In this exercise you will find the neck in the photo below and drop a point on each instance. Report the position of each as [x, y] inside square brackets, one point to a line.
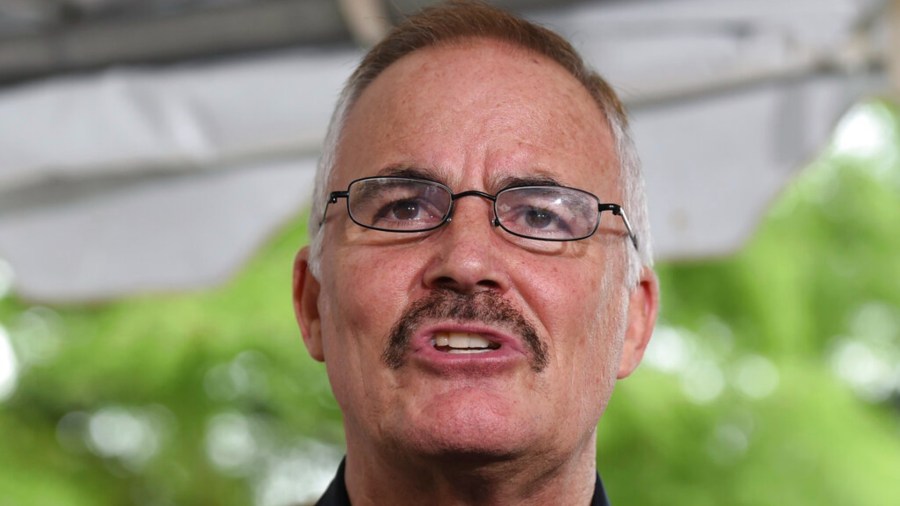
[375, 478]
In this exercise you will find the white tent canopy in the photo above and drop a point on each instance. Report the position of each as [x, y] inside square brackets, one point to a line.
[150, 179]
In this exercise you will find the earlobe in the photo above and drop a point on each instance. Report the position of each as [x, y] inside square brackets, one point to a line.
[306, 305]
[642, 310]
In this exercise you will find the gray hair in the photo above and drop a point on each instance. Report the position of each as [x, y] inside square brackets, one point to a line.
[467, 19]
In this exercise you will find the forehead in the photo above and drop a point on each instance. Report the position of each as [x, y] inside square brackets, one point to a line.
[478, 109]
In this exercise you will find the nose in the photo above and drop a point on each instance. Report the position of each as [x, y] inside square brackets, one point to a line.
[467, 253]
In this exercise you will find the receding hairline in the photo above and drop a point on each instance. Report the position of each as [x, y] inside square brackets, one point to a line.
[562, 54]
[473, 43]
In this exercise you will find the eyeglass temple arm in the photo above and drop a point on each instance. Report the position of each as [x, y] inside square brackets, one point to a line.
[332, 199]
[618, 211]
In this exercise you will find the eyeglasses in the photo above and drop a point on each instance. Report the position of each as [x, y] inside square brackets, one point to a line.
[545, 213]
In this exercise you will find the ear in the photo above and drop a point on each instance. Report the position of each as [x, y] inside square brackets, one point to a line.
[306, 305]
[643, 306]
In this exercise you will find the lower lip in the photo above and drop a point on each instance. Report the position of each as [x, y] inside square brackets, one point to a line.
[481, 363]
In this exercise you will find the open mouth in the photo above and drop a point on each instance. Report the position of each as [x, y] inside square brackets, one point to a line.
[462, 342]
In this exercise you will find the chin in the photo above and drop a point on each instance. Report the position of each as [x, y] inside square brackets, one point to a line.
[466, 449]
[467, 429]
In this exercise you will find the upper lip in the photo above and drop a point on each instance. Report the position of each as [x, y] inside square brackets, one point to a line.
[424, 335]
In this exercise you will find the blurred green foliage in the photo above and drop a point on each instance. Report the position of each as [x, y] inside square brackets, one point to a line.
[774, 377]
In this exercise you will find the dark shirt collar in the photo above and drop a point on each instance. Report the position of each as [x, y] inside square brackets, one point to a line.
[336, 495]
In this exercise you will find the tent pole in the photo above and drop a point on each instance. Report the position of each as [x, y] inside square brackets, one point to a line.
[892, 55]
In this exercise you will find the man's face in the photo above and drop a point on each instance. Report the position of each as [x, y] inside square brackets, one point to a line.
[556, 316]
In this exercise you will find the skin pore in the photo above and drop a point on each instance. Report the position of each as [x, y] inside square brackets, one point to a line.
[481, 428]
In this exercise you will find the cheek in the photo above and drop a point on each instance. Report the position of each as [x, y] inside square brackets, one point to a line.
[570, 298]
[583, 310]
[365, 297]
[368, 287]
[584, 339]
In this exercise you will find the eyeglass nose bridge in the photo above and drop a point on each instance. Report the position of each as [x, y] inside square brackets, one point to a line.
[473, 193]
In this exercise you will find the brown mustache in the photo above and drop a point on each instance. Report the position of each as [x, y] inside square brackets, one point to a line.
[483, 307]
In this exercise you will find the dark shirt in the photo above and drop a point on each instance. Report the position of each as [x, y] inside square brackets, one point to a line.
[336, 495]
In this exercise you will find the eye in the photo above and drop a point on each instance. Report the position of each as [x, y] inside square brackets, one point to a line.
[406, 210]
[536, 219]
[540, 218]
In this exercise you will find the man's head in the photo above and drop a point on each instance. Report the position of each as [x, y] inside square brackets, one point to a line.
[467, 342]
[459, 21]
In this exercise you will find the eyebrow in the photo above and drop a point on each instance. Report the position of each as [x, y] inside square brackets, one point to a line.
[517, 181]
[501, 184]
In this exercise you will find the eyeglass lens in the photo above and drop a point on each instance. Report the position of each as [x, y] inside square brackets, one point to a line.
[547, 212]
[398, 204]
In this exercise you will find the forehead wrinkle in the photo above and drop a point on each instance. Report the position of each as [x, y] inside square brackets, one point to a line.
[412, 171]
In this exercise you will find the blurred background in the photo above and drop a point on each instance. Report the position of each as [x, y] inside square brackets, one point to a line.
[156, 161]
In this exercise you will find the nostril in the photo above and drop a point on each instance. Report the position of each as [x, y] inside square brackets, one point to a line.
[445, 282]
[488, 283]
[448, 283]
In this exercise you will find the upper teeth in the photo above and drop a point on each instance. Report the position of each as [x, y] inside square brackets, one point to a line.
[462, 341]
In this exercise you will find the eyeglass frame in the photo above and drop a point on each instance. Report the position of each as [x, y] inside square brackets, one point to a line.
[615, 209]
